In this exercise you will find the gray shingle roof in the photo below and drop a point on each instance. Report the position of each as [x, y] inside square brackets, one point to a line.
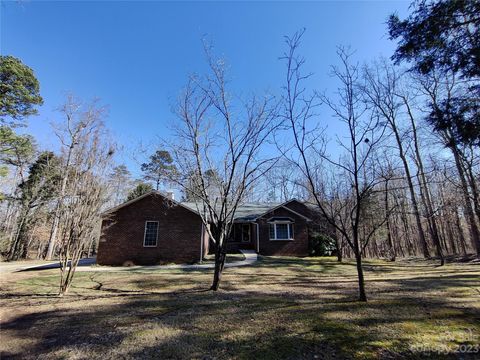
[245, 212]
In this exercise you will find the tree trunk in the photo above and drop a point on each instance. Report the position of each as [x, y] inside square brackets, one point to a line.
[220, 256]
[361, 281]
[53, 235]
[406, 227]
[15, 247]
[473, 186]
[424, 189]
[395, 232]
[392, 250]
[56, 217]
[413, 197]
[432, 224]
[338, 245]
[451, 237]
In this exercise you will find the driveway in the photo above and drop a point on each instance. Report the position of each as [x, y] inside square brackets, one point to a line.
[28, 265]
[89, 264]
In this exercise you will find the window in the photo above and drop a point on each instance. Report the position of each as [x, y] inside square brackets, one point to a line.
[151, 234]
[281, 230]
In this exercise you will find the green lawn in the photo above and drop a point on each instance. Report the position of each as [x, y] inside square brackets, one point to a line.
[281, 308]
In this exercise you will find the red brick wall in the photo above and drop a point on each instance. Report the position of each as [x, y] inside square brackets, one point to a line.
[179, 234]
[296, 247]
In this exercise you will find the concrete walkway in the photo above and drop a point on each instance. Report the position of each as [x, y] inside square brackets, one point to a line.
[89, 265]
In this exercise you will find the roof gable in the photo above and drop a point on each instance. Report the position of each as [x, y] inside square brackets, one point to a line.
[286, 208]
[150, 193]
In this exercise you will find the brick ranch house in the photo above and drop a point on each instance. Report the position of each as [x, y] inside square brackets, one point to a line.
[154, 229]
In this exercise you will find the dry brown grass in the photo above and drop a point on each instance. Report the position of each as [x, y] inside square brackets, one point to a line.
[281, 308]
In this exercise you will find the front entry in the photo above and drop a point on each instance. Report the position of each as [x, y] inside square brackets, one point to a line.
[245, 233]
[241, 237]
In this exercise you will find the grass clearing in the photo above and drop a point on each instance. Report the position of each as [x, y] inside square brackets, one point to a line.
[280, 308]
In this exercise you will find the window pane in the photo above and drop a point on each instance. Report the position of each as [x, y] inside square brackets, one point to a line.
[290, 228]
[282, 231]
[151, 231]
[272, 231]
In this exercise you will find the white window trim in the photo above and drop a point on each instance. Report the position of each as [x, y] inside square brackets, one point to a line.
[145, 234]
[274, 223]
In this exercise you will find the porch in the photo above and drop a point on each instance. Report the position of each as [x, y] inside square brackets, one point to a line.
[243, 237]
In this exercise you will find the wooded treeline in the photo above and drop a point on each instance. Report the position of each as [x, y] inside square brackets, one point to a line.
[400, 178]
[421, 182]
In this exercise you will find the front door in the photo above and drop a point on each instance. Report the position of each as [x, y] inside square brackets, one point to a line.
[245, 233]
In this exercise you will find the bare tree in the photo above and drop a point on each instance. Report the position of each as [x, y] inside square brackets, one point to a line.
[388, 175]
[388, 98]
[216, 149]
[352, 178]
[78, 119]
[424, 185]
[440, 92]
[281, 182]
[86, 189]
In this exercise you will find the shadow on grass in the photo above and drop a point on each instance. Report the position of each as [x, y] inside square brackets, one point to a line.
[241, 324]
[264, 314]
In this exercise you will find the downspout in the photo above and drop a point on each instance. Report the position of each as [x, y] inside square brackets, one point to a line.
[202, 239]
[258, 239]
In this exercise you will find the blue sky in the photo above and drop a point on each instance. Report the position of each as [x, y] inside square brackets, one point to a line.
[136, 56]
